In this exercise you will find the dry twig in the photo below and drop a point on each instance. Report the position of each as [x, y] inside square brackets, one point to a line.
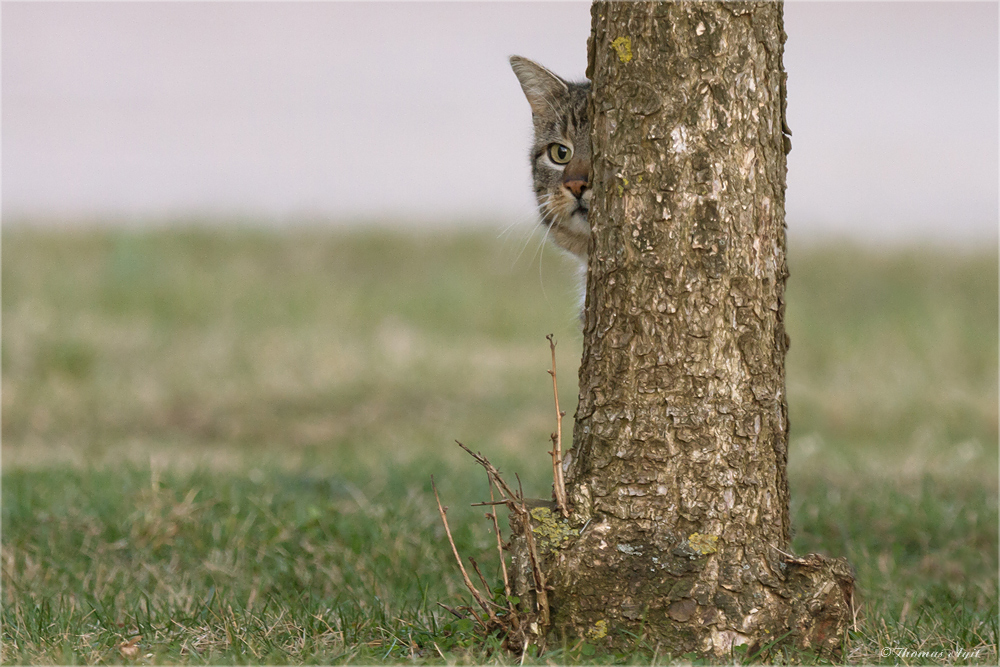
[541, 595]
[468, 582]
[503, 563]
[475, 566]
[516, 625]
[558, 482]
[451, 609]
[505, 491]
[515, 503]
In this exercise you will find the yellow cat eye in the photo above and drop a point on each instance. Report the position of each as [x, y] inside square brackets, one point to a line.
[559, 153]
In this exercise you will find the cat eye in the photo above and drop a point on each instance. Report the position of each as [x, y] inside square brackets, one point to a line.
[559, 153]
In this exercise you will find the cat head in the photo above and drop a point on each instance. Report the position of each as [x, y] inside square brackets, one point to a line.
[560, 153]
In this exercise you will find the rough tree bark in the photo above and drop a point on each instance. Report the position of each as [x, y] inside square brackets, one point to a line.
[679, 526]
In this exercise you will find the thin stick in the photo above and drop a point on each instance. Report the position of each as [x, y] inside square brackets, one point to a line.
[787, 555]
[475, 566]
[558, 483]
[515, 503]
[854, 611]
[541, 595]
[468, 582]
[493, 472]
[503, 564]
[451, 609]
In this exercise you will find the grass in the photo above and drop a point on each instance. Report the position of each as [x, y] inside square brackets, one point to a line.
[221, 442]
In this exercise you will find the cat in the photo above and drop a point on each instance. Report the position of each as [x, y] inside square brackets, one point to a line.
[560, 154]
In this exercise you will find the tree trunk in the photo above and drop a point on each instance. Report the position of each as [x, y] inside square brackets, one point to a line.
[677, 482]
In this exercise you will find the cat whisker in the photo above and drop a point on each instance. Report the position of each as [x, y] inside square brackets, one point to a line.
[547, 207]
[507, 229]
[531, 231]
[524, 227]
[540, 250]
[541, 255]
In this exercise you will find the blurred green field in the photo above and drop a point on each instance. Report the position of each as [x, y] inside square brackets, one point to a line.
[221, 441]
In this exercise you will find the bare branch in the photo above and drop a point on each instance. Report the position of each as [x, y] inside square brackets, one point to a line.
[494, 474]
[515, 503]
[503, 564]
[558, 483]
[475, 566]
[541, 594]
[452, 610]
[468, 582]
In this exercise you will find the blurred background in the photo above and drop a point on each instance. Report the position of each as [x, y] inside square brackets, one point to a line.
[264, 262]
[408, 114]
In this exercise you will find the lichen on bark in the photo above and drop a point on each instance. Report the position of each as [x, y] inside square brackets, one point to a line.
[677, 485]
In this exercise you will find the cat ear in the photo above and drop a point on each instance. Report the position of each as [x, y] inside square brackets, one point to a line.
[540, 86]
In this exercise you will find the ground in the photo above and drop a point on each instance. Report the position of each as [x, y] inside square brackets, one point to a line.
[217, 444]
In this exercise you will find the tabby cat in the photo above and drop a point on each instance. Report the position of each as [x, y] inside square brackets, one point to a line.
[560, 154]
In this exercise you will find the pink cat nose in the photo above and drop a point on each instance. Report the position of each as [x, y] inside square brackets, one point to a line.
[577, 187]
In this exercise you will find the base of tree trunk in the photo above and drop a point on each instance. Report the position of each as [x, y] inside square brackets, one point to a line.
[702, 603]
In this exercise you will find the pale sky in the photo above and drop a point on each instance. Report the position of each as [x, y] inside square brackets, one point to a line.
[408, 112]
